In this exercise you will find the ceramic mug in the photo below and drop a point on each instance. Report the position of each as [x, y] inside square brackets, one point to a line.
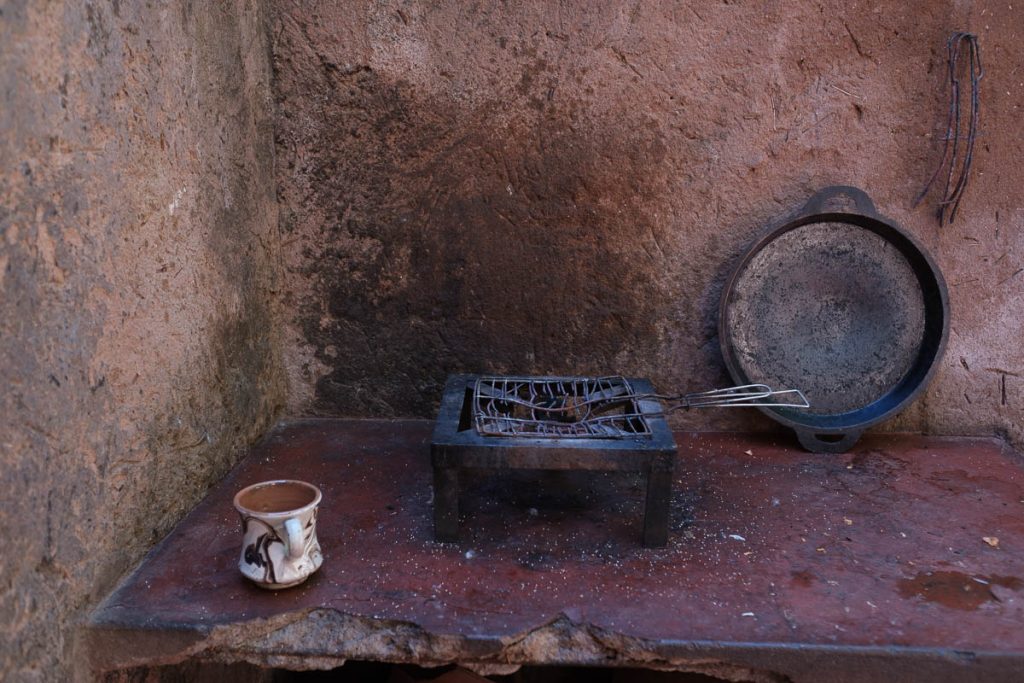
[279, 549]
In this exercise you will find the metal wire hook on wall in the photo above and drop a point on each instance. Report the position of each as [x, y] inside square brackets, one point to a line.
[957, 165]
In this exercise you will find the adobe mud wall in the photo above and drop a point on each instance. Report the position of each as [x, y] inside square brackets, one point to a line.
[137, 249]
[562, 187]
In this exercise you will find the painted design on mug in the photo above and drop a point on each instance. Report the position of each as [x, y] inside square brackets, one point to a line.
[307, 534]
[310, 545]
[258, 553]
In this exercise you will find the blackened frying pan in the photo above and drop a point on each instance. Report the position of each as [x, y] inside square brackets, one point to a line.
[842, 304]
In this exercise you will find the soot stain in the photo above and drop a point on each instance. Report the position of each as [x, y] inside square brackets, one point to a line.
[449, 246]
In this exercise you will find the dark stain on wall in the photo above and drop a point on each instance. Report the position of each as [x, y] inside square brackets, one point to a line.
[455, 247]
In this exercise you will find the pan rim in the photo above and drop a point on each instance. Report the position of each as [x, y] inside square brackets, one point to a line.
[931, 350]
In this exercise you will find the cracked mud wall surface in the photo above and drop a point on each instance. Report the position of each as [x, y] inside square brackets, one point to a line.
[138, 230]
[542, 188]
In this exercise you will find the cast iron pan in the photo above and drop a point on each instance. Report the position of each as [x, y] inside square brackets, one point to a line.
[842, 304]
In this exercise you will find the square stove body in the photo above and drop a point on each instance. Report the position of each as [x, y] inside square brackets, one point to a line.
[544, 423]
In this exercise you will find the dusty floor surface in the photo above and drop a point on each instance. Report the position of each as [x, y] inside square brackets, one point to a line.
[137, 355]
[541, 187]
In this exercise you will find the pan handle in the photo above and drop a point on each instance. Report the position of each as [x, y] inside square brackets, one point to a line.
[817, 442]
[817, 203]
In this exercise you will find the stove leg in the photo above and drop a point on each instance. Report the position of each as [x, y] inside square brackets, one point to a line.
[659, 495]
[446, 503]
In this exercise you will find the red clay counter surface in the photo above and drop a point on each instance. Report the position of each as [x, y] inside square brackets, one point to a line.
[901, 560]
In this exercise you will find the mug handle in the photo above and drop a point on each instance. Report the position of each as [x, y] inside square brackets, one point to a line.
[296, 543]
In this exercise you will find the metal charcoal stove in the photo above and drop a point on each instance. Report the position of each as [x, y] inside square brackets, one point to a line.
[566, 423]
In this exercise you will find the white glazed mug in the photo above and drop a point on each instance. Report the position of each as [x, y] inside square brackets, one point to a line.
[279, 549]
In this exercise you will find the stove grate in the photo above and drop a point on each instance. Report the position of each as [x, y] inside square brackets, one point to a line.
[558, 407]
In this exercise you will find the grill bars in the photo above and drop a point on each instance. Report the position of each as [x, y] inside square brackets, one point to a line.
[557, 407]
[601, 407]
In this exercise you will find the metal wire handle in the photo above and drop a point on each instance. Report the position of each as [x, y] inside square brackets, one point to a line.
[744, 396]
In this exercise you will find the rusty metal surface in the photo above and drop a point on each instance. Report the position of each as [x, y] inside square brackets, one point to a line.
[778, 559]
